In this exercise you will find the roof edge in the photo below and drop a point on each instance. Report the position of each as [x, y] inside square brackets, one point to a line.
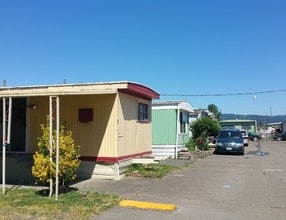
[140, 90]
[131, 88]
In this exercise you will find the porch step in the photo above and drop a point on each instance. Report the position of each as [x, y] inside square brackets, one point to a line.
[145, 159]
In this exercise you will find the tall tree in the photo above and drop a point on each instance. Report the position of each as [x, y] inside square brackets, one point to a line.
[214, 109]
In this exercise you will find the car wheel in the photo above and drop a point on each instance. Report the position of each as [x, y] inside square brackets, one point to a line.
[255, 139]
[279, 139]
[242, 152]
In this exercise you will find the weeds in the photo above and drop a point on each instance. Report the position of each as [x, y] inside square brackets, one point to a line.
[150, 170]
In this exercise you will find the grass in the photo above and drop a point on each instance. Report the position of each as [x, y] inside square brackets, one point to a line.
[188, 164]
[31, 204]
[150, 170]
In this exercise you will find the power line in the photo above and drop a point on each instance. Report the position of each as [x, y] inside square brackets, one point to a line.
[226, 94]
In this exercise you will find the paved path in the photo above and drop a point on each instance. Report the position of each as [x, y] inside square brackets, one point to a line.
[218, 187]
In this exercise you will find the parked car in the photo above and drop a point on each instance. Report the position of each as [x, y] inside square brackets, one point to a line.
[229, 141]
[245, 137]
[280, 136]
[253, 136]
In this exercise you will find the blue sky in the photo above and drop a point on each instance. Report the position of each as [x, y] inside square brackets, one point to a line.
[183, 47]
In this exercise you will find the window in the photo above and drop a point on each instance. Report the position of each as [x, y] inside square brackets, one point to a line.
[246, 127]
[85, 114]
[183, 122]
[143, 112]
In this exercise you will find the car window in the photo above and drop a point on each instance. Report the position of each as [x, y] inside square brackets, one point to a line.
[229, 134]
[243, 133]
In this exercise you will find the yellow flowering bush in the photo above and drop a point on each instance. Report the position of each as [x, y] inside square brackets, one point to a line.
[44, 168]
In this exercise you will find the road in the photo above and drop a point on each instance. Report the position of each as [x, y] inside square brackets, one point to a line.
[217, 187]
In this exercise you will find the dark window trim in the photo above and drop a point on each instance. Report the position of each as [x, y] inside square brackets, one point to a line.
[143, 113]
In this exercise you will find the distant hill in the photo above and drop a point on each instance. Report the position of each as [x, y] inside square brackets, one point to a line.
[260, 119]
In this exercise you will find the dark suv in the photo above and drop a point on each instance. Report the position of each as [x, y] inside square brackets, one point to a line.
[230, 141]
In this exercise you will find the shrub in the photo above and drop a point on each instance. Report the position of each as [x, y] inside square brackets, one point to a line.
[191, 145]
[202, 129]
[44, 168]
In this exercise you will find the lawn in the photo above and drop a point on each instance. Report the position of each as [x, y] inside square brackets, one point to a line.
[32, 204]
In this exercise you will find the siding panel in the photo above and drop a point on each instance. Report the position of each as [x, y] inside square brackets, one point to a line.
[133, 136]
[164, 127]
[96, 138]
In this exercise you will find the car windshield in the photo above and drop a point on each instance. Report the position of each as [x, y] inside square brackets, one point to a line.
[230, 134]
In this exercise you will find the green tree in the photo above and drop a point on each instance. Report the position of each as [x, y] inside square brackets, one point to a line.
[44, 168]
[214, 109]
[202, 129]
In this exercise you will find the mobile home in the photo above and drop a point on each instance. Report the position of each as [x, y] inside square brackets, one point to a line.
[110, 121]
[170, 127]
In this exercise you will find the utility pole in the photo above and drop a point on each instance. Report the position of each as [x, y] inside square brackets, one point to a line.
[271, 114]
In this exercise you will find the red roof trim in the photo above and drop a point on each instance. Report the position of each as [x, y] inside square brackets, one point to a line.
[140, 91]
[113, 159]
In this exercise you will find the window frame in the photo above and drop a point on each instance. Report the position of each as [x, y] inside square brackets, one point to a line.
[143, 112]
